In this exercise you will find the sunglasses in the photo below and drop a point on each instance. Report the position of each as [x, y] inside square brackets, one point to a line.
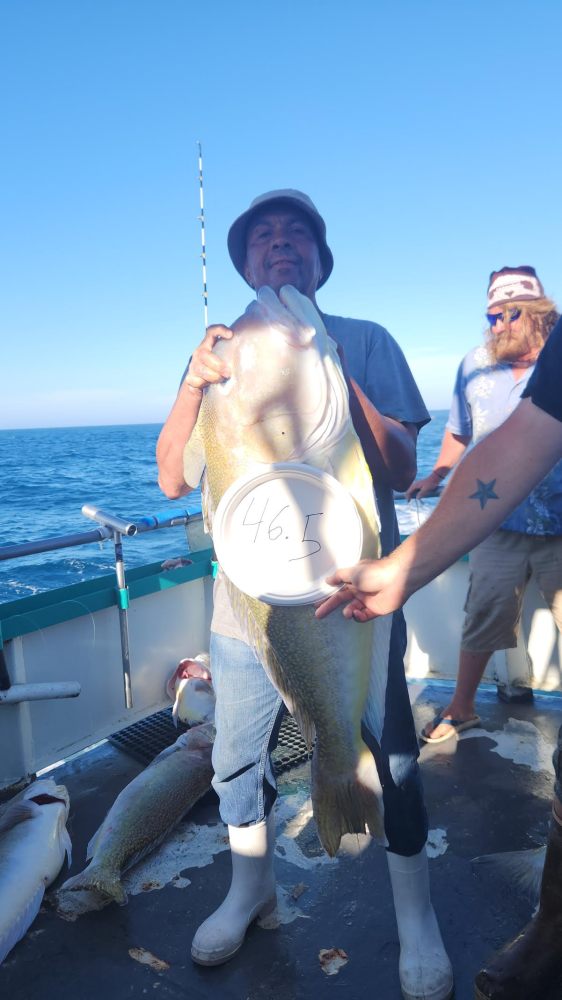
[508, 316]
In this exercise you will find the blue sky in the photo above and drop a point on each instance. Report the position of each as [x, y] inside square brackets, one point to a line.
[428, 134]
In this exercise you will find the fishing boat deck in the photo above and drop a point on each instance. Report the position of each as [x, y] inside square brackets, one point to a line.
[489, 791]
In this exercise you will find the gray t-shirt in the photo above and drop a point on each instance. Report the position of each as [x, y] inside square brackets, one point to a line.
[379, 367]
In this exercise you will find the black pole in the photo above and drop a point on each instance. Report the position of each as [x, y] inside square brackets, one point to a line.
[123, 604]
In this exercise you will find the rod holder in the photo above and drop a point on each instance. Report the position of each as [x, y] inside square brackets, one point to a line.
[39, 692]
[108, 520]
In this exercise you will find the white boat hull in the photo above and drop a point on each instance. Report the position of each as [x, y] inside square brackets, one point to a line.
[78, 641]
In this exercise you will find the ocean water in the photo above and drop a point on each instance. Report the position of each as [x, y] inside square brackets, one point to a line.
[48, 474]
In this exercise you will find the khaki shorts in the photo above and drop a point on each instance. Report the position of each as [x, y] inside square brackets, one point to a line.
[500, 569]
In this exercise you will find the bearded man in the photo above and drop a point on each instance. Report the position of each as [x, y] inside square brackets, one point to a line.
[490, 382]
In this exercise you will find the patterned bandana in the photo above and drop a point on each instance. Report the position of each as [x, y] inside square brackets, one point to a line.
[513, 284]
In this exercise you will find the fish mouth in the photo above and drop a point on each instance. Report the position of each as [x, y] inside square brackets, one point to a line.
[50, 794]
[44, 799]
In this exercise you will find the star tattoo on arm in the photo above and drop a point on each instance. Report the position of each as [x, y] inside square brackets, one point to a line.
[484, 493]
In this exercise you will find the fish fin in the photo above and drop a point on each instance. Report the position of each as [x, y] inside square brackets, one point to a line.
[303, 310]
[167, 752]
[348, 803]
[305, 725]
[194, 458]
[67, 844]
[93, 843]
[335, 424]
[18, 928]
[279, 312]
[207, 506]
[175, 709]
[95, 878]
[373, 714]
[199, 737]
[18, 813]
[520, 869]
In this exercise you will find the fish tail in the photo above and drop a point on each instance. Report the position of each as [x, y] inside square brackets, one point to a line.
[346, 803]
[520, 869]
[98, 878]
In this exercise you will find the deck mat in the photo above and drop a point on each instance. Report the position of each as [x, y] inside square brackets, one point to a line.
[145, 739]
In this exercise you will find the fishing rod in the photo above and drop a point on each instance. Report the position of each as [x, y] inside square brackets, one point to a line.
[118, 526]
[201, 218]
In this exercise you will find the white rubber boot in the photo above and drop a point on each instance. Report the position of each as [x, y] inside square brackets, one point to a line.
[425, 970]
[251, 894]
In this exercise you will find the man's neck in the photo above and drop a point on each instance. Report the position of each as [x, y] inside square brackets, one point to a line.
[526, 360]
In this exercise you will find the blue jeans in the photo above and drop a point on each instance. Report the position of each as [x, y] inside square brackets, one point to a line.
[248, 716]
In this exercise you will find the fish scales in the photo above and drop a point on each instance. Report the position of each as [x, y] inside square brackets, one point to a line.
[287, 400]
[146, 811]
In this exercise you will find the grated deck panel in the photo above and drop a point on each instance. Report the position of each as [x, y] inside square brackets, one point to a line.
[145, 739]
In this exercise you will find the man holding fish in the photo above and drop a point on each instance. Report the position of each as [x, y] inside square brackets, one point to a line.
[275, 388]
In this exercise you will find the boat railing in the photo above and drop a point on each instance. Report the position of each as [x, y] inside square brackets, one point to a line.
[110, 526]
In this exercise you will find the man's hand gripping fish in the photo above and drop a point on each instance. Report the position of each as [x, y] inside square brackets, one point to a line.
[287, 401]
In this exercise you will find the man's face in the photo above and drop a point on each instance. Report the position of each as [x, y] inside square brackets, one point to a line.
[281, 249]
[508, 338]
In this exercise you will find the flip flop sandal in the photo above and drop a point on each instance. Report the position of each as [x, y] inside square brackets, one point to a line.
[456, 726]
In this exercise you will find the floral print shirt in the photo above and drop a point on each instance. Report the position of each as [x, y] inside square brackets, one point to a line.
[485, 394]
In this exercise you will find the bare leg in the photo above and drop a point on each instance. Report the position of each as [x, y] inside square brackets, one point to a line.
[461, 706]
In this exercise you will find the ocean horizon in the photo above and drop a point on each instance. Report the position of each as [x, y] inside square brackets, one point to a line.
[49, 473]
[79, 427]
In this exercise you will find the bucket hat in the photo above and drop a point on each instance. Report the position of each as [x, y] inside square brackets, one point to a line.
[288, 197]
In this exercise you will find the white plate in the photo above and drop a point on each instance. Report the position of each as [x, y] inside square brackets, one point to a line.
[280, 532]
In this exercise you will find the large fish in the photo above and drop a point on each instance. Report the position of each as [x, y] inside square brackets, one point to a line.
[33, 843]
[145, 812]
[287, 401]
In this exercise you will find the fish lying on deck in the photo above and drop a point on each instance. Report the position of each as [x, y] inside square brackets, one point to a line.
[33, 843]
[287, 401]
[145, 812]
[191, 689]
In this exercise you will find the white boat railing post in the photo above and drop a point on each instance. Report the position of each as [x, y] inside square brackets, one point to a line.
[119, 527]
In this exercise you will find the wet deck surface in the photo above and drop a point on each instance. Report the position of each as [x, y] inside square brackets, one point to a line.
[488, 792]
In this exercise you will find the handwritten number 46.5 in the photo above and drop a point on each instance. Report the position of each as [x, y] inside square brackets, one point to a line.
[276, 531]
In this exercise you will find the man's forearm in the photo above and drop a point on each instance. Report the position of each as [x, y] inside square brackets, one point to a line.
[205, 368]
[394, 441]
[490, 481]
[452, 450]
[173, 438]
